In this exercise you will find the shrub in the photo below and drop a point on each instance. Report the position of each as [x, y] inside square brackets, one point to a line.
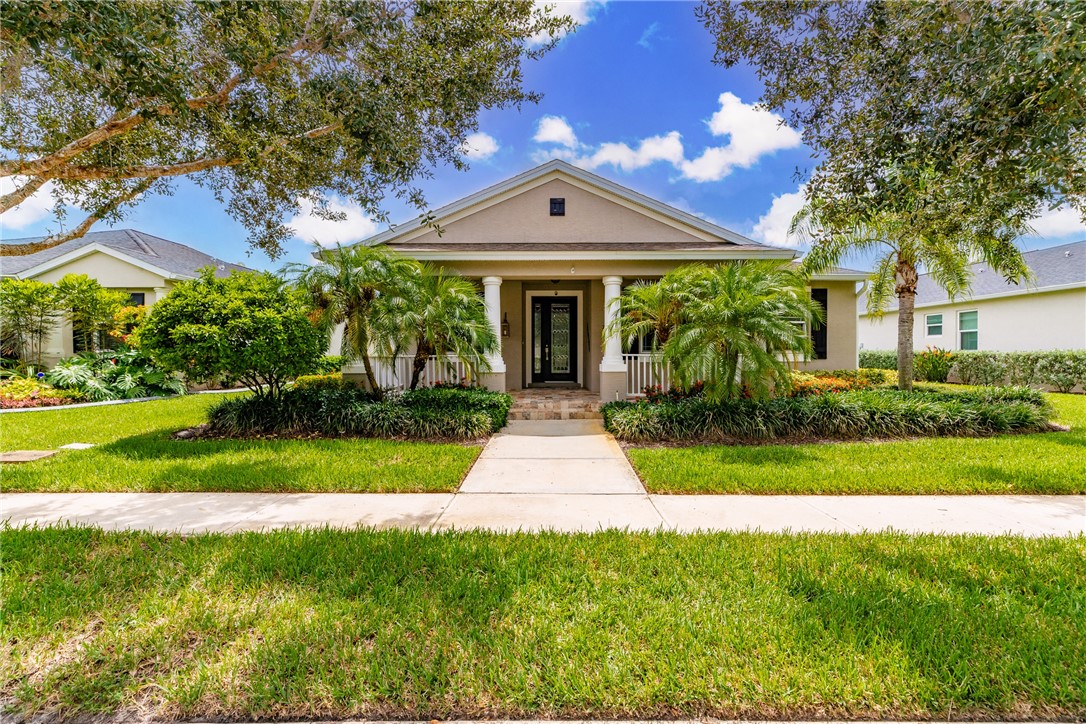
[247, 326]
[1063, 370]
[329, 364]
[878, 359]
[112, 375]
[19, 392]
[933, 364]
[333, 381]
[980, 368]
[805, 383]
[461, 413]
[845, 415]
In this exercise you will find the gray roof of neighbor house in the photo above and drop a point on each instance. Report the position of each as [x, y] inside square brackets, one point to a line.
[177, 259]
[1056, 266]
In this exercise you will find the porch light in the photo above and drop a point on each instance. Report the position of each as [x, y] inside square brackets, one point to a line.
[505, 324]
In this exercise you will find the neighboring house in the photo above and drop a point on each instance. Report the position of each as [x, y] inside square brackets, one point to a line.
[1047, 312]
[145, 266]
[553, 246]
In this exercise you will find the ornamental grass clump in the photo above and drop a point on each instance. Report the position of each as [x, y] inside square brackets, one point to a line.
[852, 415]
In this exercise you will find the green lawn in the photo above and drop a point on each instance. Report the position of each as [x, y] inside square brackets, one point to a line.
[1019, 464]
[293, 625]
[135, 453]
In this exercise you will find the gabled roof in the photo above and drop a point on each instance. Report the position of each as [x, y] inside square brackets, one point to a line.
[713, 237]
[161, 256]
[1054, 268]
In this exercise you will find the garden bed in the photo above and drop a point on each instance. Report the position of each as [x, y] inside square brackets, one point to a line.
[444, 412]
[831, 416]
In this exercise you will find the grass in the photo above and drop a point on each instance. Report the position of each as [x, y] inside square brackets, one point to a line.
[134, 452]
[1050, 463]
[327, 624]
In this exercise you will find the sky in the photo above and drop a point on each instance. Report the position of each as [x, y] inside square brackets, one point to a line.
[631, 95]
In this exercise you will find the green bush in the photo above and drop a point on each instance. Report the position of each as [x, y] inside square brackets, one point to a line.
[114, 375]
[332, 381]
[464, 413]
[933, 364]
[842, 416]
[1062, 370]
[329, 364]
[878, 359]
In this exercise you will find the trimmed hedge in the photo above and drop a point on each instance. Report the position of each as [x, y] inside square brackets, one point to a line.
[841, 416]
[458, 414]
[1063, 370]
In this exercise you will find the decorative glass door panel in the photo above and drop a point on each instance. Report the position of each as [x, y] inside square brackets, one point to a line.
[554, 339]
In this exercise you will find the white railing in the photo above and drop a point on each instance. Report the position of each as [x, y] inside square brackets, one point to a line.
[395, 372]
[643, 370]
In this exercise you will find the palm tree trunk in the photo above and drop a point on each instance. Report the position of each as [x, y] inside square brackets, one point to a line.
[906, 295]
[422, 354]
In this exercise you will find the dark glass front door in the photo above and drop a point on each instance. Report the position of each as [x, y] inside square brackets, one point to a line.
[554, 339]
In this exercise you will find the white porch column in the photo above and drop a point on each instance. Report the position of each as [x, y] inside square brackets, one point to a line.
[492, 296]
[612, 367]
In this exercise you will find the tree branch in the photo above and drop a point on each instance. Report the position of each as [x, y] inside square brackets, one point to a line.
[78, 231]
[21, 194]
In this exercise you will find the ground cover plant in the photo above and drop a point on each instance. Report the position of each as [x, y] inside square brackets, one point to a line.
[829, 414]
[324, 406]
[17, 392]
[135, 451]
[334, 624]
[1003, 464]
[114, 375]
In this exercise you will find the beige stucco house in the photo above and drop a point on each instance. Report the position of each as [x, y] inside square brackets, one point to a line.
[553, 246]
[144, 266]
[1047, 312]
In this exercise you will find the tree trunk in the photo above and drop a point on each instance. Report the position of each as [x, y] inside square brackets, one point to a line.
[422, 354]
[906, 301]
[370, 376]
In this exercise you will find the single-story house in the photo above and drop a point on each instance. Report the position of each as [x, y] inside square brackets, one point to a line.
[144, 266]
[553, 246]
[1047, 312]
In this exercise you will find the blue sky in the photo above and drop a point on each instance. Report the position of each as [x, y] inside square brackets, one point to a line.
[632, 95]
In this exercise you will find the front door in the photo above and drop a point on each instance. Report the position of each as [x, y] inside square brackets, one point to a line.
[554, 339]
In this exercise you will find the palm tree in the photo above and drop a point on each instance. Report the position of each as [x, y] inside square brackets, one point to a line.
[650, 310]
[743, 325]
[355, 287]
[443, 315]
[906, 240]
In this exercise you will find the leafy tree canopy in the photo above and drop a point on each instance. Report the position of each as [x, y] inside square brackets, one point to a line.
[248, 326]
[264, 103]
[987, 98]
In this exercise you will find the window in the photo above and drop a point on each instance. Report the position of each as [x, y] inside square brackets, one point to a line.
[818, 331]
[935, 325]
[967, 330]
[136, 299]
[558, 207]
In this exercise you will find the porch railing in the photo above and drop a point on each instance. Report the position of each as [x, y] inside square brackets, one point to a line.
[395, 372]
[643, 370]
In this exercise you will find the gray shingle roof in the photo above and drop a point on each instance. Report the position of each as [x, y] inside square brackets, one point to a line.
[166, 255]
[1055, 266]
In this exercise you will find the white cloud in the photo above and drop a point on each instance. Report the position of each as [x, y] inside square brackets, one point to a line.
[581, 11]
[650, 150]
[1059, 222]
[312, 228]
[752, 133]
[772, 227]
[33, 209]
[479, 146]
[553, 129]
[645, 41]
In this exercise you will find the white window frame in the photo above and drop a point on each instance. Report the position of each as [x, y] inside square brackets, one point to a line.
[927, 324]
[975, 331]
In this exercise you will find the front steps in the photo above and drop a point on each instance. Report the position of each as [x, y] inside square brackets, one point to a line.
[560, 403]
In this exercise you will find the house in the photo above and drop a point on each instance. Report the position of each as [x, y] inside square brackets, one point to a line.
[1047, 312]
[145, 266]
[553, 246]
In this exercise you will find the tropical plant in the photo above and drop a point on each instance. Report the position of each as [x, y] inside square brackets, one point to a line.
[248, 326]
[740, 326]
[357, 287]
[933, 364]
[126, 323]
[29, 312]
[268, 104]
[109, 375]
[33, 391]
[91, 309]
[651, 311]
[442, 314]
[903, 245]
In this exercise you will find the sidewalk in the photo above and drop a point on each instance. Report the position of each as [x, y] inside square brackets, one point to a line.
[234, 512]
